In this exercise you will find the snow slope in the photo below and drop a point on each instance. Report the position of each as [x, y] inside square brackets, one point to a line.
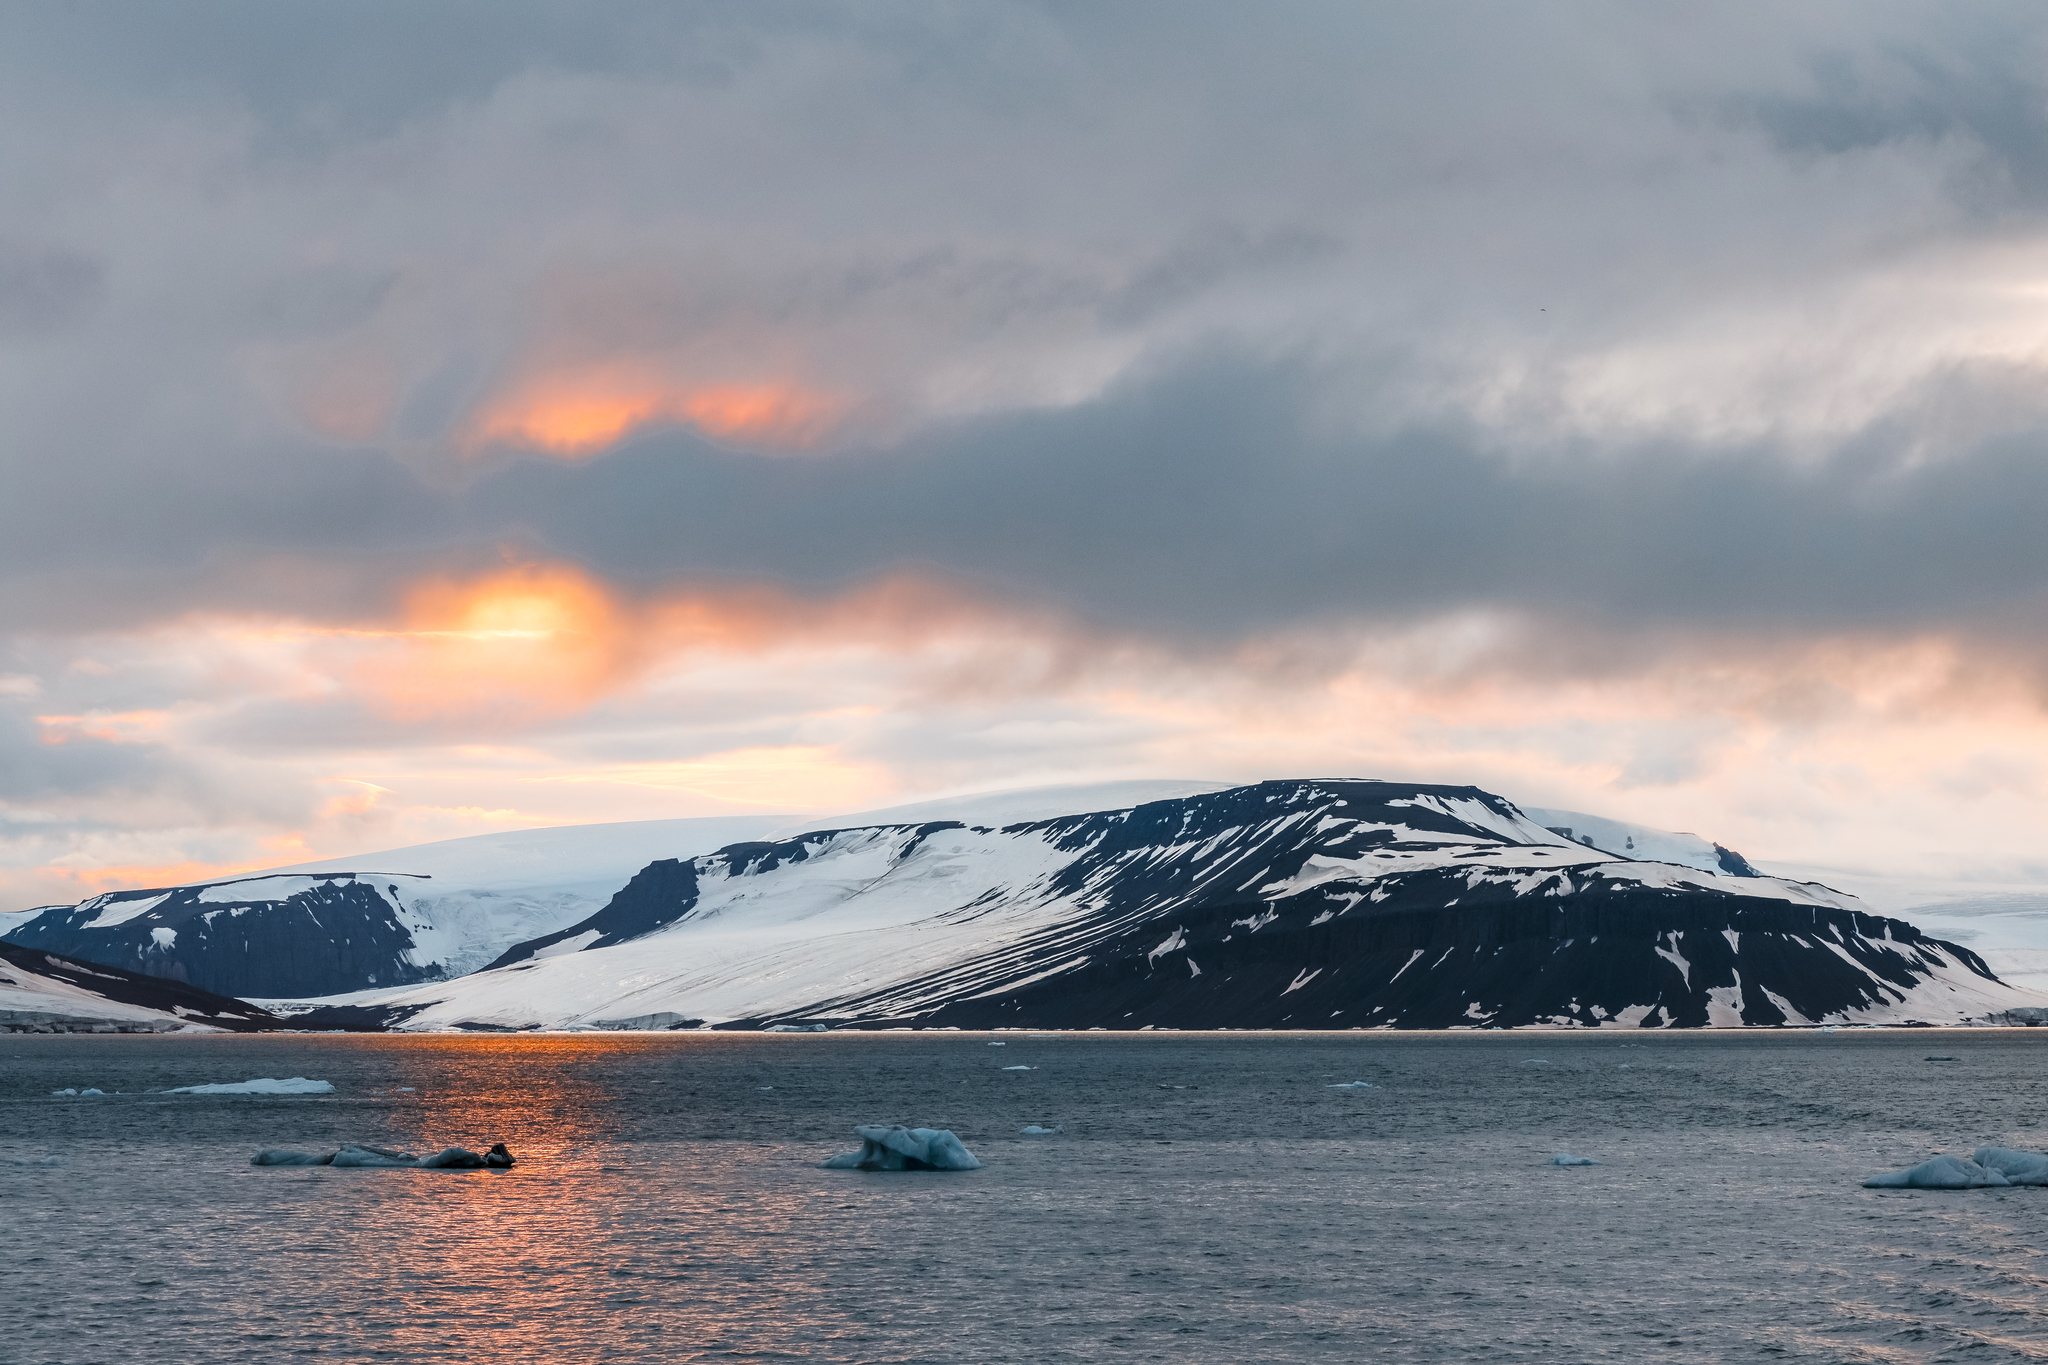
[42, 992]
[1643, 842]
[1298, 904]
[445, 909]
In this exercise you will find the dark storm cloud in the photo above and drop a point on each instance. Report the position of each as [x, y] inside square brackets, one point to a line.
[233, 213]
[1207, 502]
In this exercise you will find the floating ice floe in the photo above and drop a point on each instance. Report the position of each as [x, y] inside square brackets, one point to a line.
[796, 1028]
[1033, 1130]
[354, 1156]
[1020, 1068]
[904, 1149]
[81, 1094]
[998, 1044]
[1352, 1085]
[297, 1085]
[1939, 1173]
[1567, 1159]
[2018, 1168]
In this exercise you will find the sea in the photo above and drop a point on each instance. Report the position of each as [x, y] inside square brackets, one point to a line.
[1207, 1197]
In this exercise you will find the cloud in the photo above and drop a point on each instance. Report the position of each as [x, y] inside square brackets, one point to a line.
[531, 418]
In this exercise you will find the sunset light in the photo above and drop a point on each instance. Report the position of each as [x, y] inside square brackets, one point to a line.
[1023, 681]
[581, 414]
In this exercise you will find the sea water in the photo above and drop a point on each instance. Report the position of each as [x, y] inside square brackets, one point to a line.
[1210, 1197]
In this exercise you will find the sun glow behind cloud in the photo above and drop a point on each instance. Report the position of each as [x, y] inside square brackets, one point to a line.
[579, 413]
[532, 695]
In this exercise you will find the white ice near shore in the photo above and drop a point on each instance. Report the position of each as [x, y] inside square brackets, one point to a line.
[904, 1149]
[1567, 1159]
[797, 1028]
[81, 1094]
[2018, 1168]
[297, 1085]
[1939, 1173]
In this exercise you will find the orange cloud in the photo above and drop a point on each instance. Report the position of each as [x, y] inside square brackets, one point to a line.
[578, 413]
[526, 641]
[83, 882]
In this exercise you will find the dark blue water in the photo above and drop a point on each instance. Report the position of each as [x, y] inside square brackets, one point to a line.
[667, 1206]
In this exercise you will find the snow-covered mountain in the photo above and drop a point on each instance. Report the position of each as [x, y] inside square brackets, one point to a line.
[435, 911]
[44, 993]
[1301, 904]
[1641, 842]
[381, 919]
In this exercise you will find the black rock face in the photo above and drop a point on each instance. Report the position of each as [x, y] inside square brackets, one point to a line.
[25, 965]
[1651, 957]
[1189, 925]
[329, 934]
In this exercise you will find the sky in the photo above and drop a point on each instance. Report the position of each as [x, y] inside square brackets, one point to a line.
[419, 421]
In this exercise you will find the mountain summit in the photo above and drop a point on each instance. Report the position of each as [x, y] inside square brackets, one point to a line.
[1286, 904]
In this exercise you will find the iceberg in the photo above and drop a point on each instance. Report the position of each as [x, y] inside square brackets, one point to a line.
[2018, 1168]
[797, 1028]
[1033, 1130]
[297, 1085]
[453, 1159]
[371, 1158]
[358, 1157]
[904, 1149]
[1567, 1159]
[284, 1156]
[1940, 1173]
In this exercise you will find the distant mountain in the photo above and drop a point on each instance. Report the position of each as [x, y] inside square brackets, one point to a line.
[441, 910]
[1642, 842]
[382, 919]
[1289, 904]
[42, 992]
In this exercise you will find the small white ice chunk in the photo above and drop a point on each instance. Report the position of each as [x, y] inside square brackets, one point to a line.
[297, 1085]
[1033, 1130]
[904, 1149]
[2018, 1168]
[1940, 1173]
[372, 1157]
[67, 1091]
[998, 1044]
[1567, 1159]
[1351, 1085]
